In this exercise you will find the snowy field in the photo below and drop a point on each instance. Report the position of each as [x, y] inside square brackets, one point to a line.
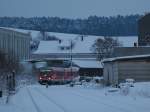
[85, 98]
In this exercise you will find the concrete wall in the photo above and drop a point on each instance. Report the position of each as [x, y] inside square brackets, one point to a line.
[15, 44]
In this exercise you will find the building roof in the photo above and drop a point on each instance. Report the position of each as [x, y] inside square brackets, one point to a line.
[126, 58]
[49, 47]
[12, 30]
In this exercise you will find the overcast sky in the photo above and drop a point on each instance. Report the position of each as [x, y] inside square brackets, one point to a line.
[72, 8]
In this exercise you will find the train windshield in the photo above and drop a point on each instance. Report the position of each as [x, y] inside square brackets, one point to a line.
[45, 72]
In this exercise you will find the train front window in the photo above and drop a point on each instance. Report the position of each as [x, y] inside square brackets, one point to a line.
[45, 72]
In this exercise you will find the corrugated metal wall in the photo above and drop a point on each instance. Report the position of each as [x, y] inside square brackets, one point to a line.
[138, 70]
[116, 72]
[15, 44]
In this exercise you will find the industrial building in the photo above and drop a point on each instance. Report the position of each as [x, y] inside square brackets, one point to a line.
[118, 69]
[15, 44]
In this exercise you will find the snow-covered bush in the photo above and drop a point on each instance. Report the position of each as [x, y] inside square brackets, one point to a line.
[85, 78]
[98, 80]
[139, 89]
[77, 81]
[130, 82]
[88, 79]
[125, 89]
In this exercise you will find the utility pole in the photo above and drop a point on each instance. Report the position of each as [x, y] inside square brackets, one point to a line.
[71, 55]
[72, 83]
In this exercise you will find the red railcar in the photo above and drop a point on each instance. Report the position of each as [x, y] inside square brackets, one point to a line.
[57, 75]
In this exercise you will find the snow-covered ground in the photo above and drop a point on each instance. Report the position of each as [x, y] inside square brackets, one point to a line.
[81, 98]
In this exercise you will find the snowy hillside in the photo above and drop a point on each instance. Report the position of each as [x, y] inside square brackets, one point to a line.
[81, 46]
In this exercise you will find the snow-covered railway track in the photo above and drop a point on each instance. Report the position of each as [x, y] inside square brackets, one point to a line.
[43, 103]
[33, 101]
[131, 105]
[52, 101]
[101, 102]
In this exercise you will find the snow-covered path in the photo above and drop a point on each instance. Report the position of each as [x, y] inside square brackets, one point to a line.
[76, 99]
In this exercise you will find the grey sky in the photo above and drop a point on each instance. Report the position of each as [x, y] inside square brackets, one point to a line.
[72, 8]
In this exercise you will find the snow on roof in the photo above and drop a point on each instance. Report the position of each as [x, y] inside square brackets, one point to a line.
[49, 47]
[88, 63]
[125, 57]
[85, 45]
[16, 30]
[80, 46]
[65, 43]
[32, 32]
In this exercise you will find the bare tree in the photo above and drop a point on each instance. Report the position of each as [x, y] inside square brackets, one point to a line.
[34, 44]
[104, 47]
[42, 35]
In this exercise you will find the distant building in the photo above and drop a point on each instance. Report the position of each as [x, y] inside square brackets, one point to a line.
[130, 51]
[89, 67]
[116, 70]
[15, 44]
[54, 49]
[144, 31]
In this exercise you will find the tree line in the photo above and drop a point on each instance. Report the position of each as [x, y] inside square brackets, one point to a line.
[93, 25]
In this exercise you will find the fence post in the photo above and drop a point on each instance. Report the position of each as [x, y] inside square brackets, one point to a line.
[1, 94]
[13, 80]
